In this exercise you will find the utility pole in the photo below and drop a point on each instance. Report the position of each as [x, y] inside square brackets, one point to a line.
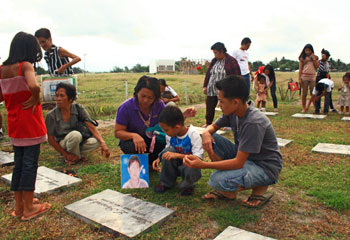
[84, 64]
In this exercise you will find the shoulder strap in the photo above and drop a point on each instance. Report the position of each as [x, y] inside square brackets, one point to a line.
[20, 69]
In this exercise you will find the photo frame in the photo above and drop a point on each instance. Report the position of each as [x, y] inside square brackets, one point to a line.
[134, 171]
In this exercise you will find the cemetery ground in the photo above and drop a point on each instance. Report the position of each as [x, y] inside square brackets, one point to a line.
[311, 201]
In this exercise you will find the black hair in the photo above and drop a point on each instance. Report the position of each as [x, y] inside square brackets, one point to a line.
[171, 116]
[261, 76]
[303, 54]
[43, 32]
[24, 47]
[71, 91]
[150, 83]
[134, 158]
[246, 41]
[162, 82]
[271, 75]
[325, 52]
[319, 87]
[219, 47]
[232, 87]
[346, 75]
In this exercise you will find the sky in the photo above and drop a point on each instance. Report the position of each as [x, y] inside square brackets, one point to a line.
[108, 33]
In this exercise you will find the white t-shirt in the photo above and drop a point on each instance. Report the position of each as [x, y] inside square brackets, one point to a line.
[190, 143]
[242, 58]
[172, 91]
[329, 84]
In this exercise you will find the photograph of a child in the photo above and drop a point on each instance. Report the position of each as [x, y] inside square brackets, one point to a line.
[134, 168]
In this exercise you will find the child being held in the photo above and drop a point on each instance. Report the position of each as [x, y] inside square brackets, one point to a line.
[261, 88]
[344, 99]
[181, 140]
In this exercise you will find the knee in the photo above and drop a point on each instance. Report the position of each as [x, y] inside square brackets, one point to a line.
[74, 136]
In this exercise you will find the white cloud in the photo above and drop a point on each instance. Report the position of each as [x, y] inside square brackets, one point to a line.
[128, 32]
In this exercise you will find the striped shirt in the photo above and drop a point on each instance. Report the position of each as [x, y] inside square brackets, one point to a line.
[324, 67]
[217, 73]
[54, 62]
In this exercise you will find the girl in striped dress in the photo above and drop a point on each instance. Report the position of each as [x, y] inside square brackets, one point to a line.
[26, 126]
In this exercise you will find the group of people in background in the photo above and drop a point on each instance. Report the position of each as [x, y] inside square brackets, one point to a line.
[253, 161]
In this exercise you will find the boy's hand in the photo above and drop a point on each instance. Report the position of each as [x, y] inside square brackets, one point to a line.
[155, 165]
[169, 155]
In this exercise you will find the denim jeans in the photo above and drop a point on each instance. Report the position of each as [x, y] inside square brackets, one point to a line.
[247, 81]
[25, 169]
[250, 175]
[273, 95]
[326, 103]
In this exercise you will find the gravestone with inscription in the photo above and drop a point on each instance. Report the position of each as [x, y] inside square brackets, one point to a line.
[119, 213]
[332, 148]
[48, 180]
[6, 158]
[283, 142]
[312, 116]
[233, 233]
[201, 130]
[345, 119]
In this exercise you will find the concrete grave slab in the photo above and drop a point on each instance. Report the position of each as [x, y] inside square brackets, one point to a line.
[201, 130]
[332, 148]
[119, 213]
[6, 158]
[233, 233]
[312, 116]
[48, 180]
[345, 119]
[283, 142]
[271, 113]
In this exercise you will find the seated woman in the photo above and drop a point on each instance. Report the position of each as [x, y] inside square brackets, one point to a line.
[61, 127]
[168, 95]
[137, 114]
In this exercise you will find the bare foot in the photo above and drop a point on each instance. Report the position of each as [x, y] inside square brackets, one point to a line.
[36, 210]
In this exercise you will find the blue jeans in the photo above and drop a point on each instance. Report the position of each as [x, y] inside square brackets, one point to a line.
[25, 169]
[327, 100]
[250, 175]
[247, 81]
[273, 94]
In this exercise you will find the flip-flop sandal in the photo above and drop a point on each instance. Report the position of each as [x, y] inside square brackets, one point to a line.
[13, 213]
[70, 163]
[262, 198]
[218, 195]
[44, 207]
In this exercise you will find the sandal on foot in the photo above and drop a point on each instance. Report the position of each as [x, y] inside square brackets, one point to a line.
[14, 214]
[44, 207]
[217, 195]
[262, 198]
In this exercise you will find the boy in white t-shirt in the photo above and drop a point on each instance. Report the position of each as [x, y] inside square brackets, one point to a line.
[242, 57]
[323, 88]
[181, 140]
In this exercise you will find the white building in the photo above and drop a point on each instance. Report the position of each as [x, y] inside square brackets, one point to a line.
[162, 66]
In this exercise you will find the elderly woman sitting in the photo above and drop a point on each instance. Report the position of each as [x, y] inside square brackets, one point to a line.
[61, 124]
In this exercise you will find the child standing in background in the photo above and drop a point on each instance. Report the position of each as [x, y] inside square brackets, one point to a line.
[261, 96]
[344, 99]
[168, 95]
[26, 126]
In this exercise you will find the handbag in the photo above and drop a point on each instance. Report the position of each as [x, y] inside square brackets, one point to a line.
[81, 126]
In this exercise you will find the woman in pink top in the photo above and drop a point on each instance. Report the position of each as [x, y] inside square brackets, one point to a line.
[26, 127]
[308, 63]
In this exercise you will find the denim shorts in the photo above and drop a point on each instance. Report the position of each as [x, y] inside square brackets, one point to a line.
[250, 175]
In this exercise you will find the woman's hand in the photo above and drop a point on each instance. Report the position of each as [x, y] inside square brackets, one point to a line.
[139, 142]
[193, 161]
[61, 69]
[205, 90]
[104, 150]
[31, 102]
[190, 112]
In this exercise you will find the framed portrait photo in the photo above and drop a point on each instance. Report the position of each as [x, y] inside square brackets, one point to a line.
[134, 168]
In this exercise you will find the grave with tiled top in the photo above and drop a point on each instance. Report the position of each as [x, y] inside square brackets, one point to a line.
[233, 233]
[119, 213]
[332, 148]
[6, 158]
[311, 116]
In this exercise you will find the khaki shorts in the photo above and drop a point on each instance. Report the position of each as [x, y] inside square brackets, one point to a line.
[307, 84]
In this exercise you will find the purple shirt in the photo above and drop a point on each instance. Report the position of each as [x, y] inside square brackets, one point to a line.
[127, 115]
